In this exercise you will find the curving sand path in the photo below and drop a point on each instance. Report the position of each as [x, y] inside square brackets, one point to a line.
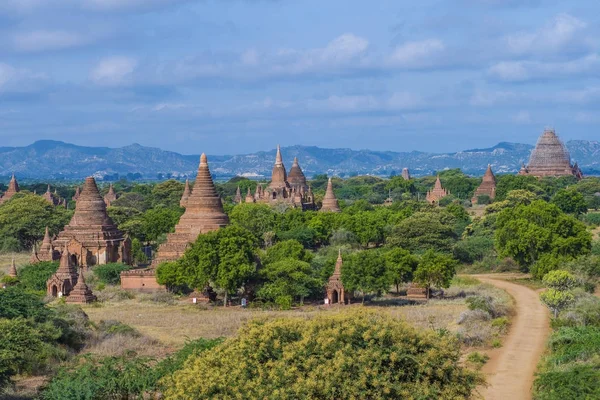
[510, 370]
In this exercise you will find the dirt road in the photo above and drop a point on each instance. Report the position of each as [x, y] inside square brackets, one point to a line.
[510, 370]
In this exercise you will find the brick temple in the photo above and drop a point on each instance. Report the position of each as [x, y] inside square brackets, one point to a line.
[330, 203]
[550, 157]
[437, 193]
[91, 237]
[13, 188]
[335, 287]
[487, 187]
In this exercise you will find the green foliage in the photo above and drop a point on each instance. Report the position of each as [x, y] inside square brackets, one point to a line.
[136, 252]
[35, 276]
[435, 270]
[425, 230]
[527, 232]
[159, 221]
[570, 201]
[17, 303]
[24, 219]
[559, 280]
[483, 199]
[257, 218]
[110, 274]
[365, 272]
[400, 265]
[556, 300]
[287, 278]
[506, 183]
[473, 248]
[380, 356]
[592, 218]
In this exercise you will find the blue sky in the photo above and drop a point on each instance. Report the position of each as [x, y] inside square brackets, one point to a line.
[235, 76]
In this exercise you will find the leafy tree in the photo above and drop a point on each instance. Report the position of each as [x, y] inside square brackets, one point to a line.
[20, 347]
[167, 194]
[132, 200]
[425, 230]
[381, 357]
[121, 215]
[483, 199]
[254, 217]
[400, 266]
[560, 280]
[570, 201]
[159, 221]
[506, 183]
[35, 276]
[287, 278]
[365, 271]
[286, 250]
[556, 300]
[527, 232]
[473, 248]
[18, 303]
[25, 218]
[435, 270]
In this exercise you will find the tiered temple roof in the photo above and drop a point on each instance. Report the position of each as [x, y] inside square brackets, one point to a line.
[437, 193]
[91, 236]
[335, 287]
[296, 177]
[65, 278]
[203, 213]
[550, 158]
[110, 196]
[487, 187]
[13, 188]
[81, 293]
[186, 194]
[51, 197]
[238, 195]
[279, 175]
[330, 203]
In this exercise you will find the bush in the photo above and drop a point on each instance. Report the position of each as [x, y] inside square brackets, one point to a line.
[591, 218]
[488, 304]
[18, 303]
[348, 355]
[110, 274]
[35, 276]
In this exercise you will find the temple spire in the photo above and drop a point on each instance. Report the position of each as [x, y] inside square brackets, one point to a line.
[186, 194]
[278, 158]
[12, 272]
[330, 202]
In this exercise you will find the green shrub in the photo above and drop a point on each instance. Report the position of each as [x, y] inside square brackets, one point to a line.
[348, 355]
[16, 302]
[112, 327]
[578, 381]
[478, 358]
[487, 304]
[591, 218]
[35, 276]
[110, 274]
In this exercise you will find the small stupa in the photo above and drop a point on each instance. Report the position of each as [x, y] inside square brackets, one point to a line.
[110, 196]
[335, 287]
[77, 194]
[186, 194]
[330, 203]
[51, 197]
[13, 188]
[65, 278]
[487, 187]
[203, 213]
[406, 174]
[12, 272]
[249, 197]
[81, 293]
[437, 193]
[238, 195]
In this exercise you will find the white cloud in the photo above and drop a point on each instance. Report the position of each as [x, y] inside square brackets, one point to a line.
[484, 99]
[561, 32]
[424, 53]
[17, 80]
[519, 71]
[35, 41]
[113, 71]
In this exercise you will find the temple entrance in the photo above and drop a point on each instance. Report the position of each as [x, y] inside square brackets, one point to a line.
[54, 291]
[74, 260]
[334, 297]
[274, 195]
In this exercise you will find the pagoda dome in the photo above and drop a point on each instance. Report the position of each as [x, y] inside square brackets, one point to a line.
[549, 152]
[296, 177]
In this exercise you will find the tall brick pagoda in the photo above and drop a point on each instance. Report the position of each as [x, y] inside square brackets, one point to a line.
[13, 188]
[110, 196]
[330, 202]
[91, 237]
[203, 213]
[335, 287]
[186, 194]
[487, 187]
[550, 158]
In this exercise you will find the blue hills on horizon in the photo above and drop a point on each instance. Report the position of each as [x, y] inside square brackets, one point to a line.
[56, 160]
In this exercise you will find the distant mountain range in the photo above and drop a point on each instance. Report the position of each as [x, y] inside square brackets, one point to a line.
[56, 160]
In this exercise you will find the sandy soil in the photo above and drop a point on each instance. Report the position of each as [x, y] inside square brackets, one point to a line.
[510, 370]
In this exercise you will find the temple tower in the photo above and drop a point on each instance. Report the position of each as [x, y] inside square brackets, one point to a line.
[203, 213]
[296, 178]
[249, 197]
[46, 251]
[335, 287]
[437, 193]
[330, 203]
[65, 278]
[92, 237]
[487, 187]
[238, 195]
[12, 272]
[406, 174]
[110, 196]
[50, 197]
[81, 293]
[77, 194]
[550, 157]
[186, 194]
[13, 188]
